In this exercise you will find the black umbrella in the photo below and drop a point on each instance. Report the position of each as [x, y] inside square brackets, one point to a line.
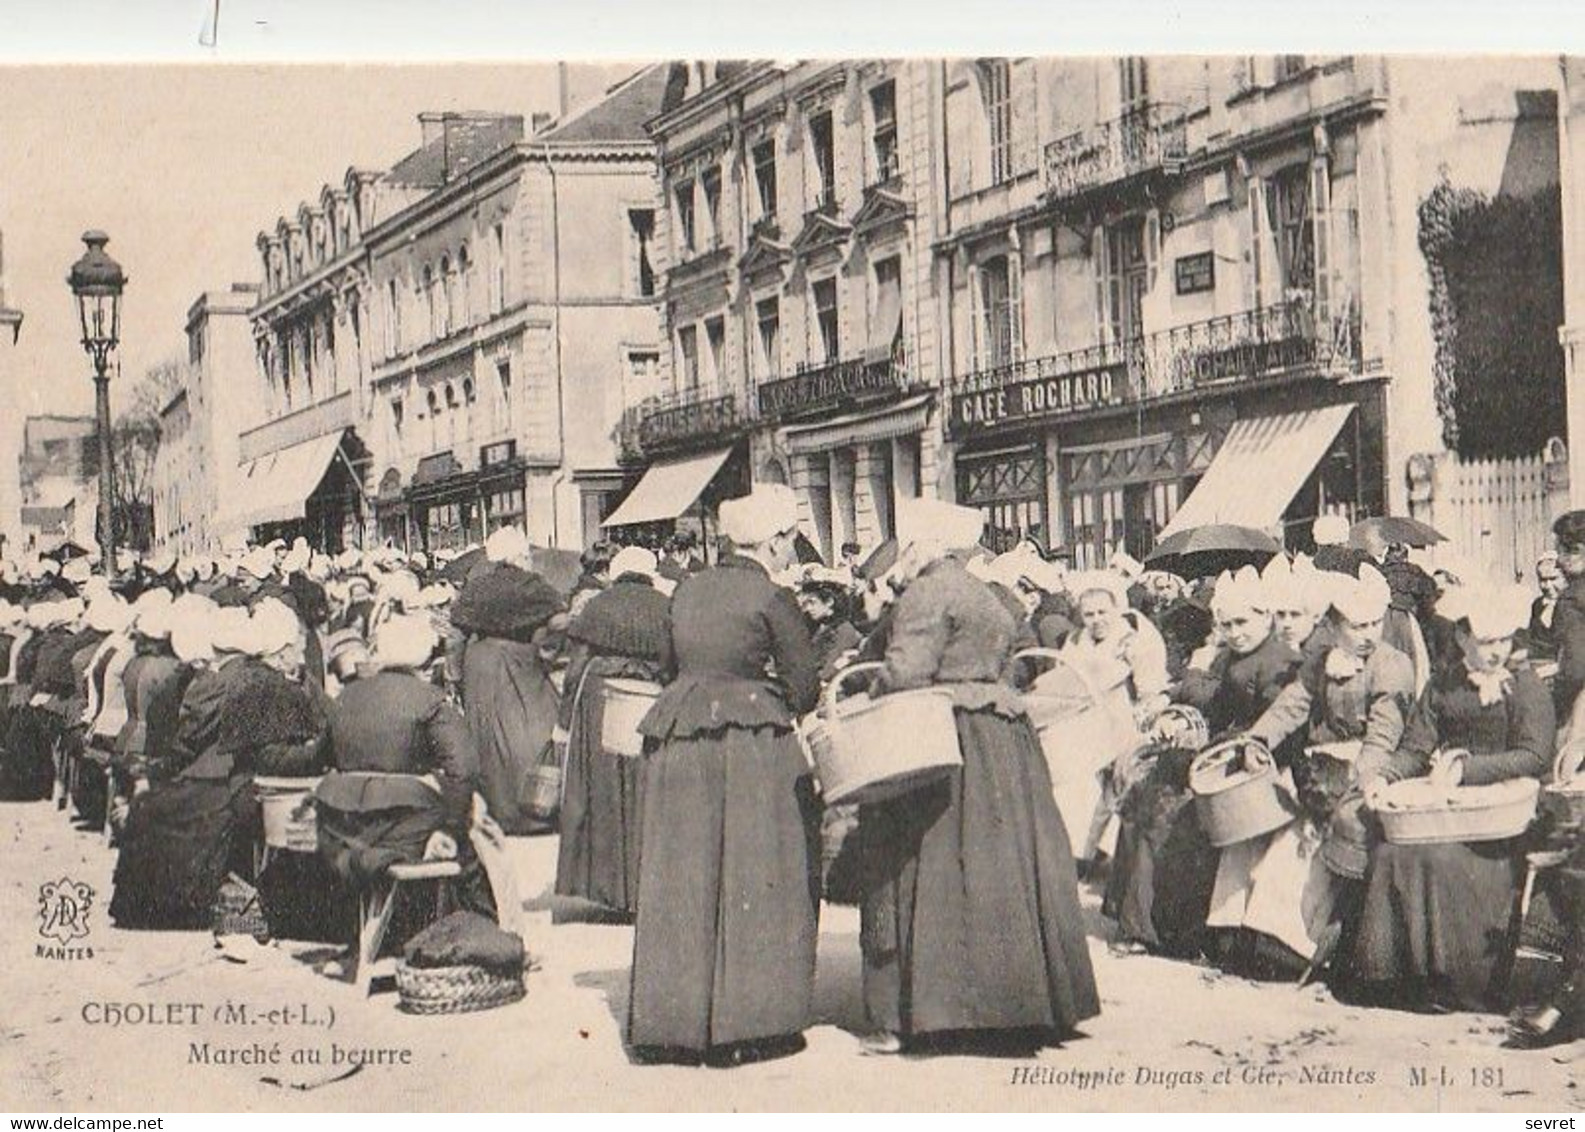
[1203, 551]
[1395, 530]
[807, 551]
[881, 559]
[66, 552]
[457, 570]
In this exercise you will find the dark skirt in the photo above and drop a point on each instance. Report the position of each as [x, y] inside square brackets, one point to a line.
[1435, 919]
[511, 710]
[27, 757]
[971, 918]
[1164, 871]
[724, 948]
[181, 839]
[601, 810]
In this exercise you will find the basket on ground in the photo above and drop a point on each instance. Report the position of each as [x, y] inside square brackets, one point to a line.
[290, 821]
[1239, 793]
[1419, 811]
[455, 990]
[625, 703]
[869, 750]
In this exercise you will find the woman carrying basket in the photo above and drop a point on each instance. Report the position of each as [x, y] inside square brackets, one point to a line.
[1434, 928]
[724, 945]
[1159, 891]
[621, 632]
[970, 920]
[1294, 893]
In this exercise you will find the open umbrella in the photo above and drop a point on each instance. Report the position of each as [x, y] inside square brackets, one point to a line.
[881, 559]
[560, 568]
[1203, 551]
[807, 551]
[457, 570]
[1395, 530]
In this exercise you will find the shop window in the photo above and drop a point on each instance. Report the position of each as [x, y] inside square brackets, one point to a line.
[827, 321]
[685, 229]
[504, 509]
[883, 108]
[688, 357]
[823, 145]
[765, 177]
[767, 313]
[996, 92]
[710, 186]
[641, 232]
[1010, 488]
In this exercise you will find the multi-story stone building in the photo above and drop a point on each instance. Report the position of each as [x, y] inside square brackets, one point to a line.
[801, 204]
[513, 318]
[446, 346]
[1136, 294]
[196, 467]
[1190, 290]
[58, 469]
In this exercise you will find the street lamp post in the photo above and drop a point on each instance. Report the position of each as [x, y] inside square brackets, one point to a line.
[97, 281]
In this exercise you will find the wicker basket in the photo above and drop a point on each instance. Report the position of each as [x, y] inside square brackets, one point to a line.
[1238, 792]
[626, 703]
[1191, 732]
[1418, 812]
[290, 821]
[455, 990]
[1566, 792]
[870, 750]
[1055, 695]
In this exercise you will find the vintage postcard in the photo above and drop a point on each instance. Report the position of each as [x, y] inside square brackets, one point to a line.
[931, 581]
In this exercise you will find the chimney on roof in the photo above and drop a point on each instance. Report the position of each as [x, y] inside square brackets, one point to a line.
[431, 123]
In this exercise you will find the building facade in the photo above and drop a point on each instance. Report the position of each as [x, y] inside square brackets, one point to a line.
[796, 243]
[514, 316]
[196, 467]
[1137, 295]
[58, 469]
[10, 498]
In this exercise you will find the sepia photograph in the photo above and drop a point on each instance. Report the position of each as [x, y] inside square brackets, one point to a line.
[702, 581]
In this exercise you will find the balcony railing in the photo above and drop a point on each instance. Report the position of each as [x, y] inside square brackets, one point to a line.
[1246, 347]
[830, 386]
[679, 420]
[1151, 137]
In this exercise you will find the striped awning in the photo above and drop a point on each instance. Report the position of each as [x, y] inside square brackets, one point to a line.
[668, 489]
[1259, 469]
[275, 487]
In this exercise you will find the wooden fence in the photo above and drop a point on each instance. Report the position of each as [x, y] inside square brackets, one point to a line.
[1497, 514]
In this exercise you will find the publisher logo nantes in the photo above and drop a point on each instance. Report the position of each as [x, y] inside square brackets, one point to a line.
[63, 919]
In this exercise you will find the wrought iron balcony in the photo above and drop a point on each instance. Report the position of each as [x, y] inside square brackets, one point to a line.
[1144, 140]
[1244, 348]
[831, 386]
[690, 418]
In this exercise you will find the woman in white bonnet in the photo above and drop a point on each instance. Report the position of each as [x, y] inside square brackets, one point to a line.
[729, 881]
[1435, 917]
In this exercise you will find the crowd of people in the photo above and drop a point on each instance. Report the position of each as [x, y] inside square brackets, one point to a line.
[420, 693]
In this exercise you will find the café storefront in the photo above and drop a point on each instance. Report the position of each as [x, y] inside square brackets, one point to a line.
[1113, 447]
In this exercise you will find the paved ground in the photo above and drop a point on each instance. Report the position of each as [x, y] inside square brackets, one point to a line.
[1171, 1036]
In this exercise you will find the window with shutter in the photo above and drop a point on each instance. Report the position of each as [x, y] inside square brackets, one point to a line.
[1015, 308]
[1254, 277]
[1100, 265]
[976, 321]
[1152, 248]
[1321, 211]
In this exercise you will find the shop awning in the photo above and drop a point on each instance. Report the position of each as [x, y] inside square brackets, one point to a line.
[668, 489]
[1259, 468]
[276, 487]
[904, 418]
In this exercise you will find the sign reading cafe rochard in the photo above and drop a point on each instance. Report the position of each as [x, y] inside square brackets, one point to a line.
[985, 409]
